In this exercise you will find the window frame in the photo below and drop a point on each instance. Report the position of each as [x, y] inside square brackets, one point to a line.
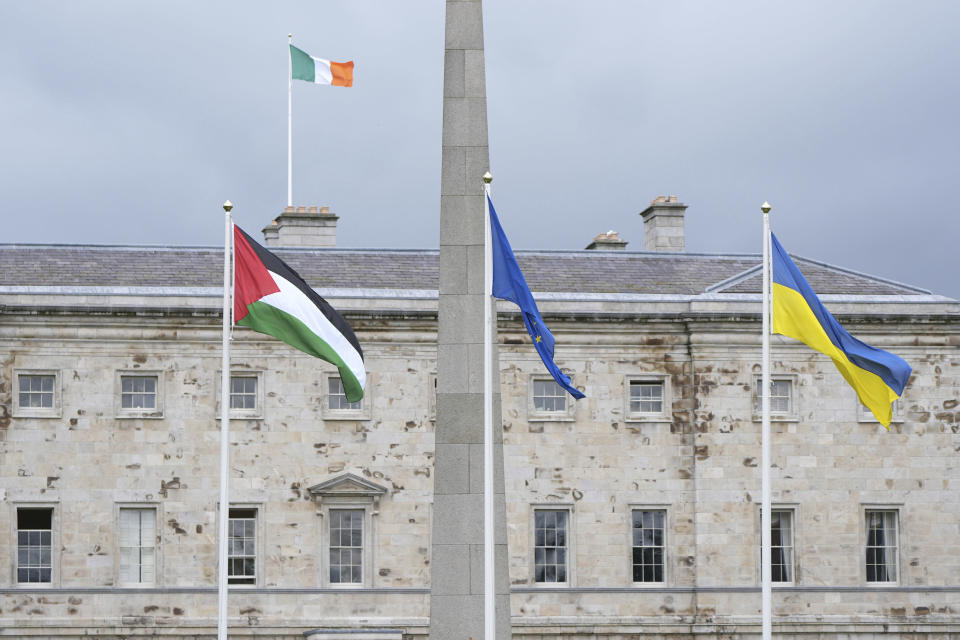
[157, 546]
[242, 414]
[364, 545]
[156, 413]
[347, 491]
[327, 413]
[570, 546]
[793, 544]
[667, 538]
[54, 411]
[258, 564]
[539, 415]
[666, 404]
[794, 510]
[792, 415]
[54, 507]
[866, 416]
[896, 509]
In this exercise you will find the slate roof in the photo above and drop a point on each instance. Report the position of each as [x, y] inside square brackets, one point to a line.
[626, 272]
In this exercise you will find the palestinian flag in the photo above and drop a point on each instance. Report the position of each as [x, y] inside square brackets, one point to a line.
[271, 298]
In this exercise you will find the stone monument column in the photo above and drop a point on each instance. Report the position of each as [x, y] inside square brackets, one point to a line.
[457, 568]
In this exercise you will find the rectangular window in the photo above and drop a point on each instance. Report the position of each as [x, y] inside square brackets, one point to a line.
[783, 405]
[338, 398]
[34, 545]
[646, 396]
[549, 397]
[781, 546]
[242, 547]
[36, 391]
[243, 392]
[346, 546]
[138, 392]
[882, 545]
[550, 545]
[781, 397]
[138, 535]
[648, 545]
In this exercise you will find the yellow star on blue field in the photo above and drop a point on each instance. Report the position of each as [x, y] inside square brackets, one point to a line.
[539, 339]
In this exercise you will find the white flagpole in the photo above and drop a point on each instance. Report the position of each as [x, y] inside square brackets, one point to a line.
[289, 122]
[765, 516]
[489, 617]
[224, 429]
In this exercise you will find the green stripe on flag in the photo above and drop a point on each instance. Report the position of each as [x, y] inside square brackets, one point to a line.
[265, 318]
[302, 65]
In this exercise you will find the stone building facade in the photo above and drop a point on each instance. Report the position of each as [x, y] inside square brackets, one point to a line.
[633, 512]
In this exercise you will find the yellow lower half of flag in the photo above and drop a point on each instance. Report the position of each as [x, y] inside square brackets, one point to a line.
[793, 317]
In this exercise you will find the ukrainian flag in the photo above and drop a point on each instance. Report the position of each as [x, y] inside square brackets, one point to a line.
[876, 375]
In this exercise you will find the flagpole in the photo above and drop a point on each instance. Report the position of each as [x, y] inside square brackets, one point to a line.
[289, 122]
[765, 516]
[224, 430]
[489, 613]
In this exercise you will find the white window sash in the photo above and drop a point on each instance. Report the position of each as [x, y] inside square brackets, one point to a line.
[137, 545]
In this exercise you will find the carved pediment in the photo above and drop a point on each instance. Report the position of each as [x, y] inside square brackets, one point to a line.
[347, 485]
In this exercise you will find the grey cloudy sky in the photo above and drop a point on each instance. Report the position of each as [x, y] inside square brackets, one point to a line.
[130, 122]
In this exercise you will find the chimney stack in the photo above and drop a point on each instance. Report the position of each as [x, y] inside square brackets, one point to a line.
[663, 225]
[302, 227]
[609, 241]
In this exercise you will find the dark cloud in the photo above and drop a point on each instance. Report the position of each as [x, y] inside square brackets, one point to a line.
[132, 122]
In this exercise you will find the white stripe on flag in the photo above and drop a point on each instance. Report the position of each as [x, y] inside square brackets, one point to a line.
[293, 301]
[322, 73]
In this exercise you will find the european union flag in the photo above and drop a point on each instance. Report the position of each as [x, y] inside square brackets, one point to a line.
[509, 284]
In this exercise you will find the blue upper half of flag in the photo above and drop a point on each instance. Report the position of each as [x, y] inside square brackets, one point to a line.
[509, 284]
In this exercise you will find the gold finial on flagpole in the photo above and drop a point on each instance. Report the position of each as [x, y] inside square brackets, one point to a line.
[487, 178]
[227, 206]
[765, 207]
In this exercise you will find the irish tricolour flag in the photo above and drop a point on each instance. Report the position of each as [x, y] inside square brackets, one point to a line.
[303, 66]
[271, 298]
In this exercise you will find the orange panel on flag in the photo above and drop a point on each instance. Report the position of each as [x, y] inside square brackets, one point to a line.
[342, 73]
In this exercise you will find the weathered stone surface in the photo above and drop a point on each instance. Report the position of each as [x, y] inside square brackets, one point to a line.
[700, 464]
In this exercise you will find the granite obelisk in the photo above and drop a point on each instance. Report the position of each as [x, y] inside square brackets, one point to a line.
[457, 568]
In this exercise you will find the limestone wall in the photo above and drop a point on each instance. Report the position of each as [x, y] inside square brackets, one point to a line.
[700, 463]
